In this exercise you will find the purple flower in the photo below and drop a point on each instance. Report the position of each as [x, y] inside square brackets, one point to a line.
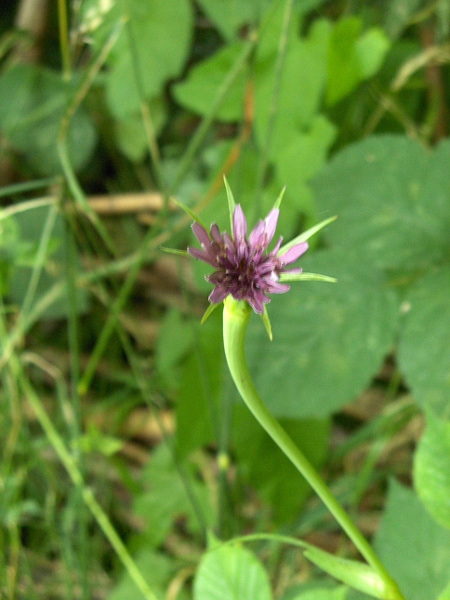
[243, 266]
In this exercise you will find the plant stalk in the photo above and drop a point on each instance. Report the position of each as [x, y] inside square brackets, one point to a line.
[236, 317]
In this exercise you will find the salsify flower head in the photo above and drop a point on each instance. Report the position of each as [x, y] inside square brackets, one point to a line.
[243, 265]
[245, 270]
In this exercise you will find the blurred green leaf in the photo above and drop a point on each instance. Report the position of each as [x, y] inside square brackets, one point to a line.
[432, 469]
[302, 159]
[412, 546]
[391, 196]
[231, 572]
[130, 133]
[170, 496]
[265, 467]
[230, 15]
[371, 49]
[329, 340]
[94, 440]
[352, 56]
[424, 352]
[157, 568]
[199, 406]
[198, 91]
[300, 92]
[151, 48]
[30, 223]
[175, 338]
[31, 123]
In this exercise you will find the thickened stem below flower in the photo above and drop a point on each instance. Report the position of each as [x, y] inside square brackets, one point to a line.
[236, 316]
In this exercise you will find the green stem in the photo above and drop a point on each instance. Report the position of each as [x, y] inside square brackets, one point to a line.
[236, 317]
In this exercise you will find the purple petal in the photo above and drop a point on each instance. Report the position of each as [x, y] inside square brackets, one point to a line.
[293, 253]
[202, 255]
[201, 234]
[215, 233]
[257, 301]
[273, 287]
[256, 237]
[239, 224]
[218, 294]
[271, 224]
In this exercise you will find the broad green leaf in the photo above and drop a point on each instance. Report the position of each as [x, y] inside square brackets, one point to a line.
[130, 133]
[352, 56]
[166, 497]
[200, 88]
[412, 546]
[432, 469]
[299, 92]
[198, 407]
[152, 47]
[175, 339]
[31, 123]
[371, 49]
[424, 351]
[391, 196]
[231, 573]
[264, 466]
[329, 340]
[303, 157]
[343, 68]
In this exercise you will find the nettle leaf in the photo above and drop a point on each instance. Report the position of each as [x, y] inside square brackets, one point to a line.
[432, 469]
[391, 196]
[424, 352]
[230, 572]
[32, 121]
[329, 339]
[412, 546]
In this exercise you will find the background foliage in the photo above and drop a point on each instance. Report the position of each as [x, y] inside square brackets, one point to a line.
[111, 390]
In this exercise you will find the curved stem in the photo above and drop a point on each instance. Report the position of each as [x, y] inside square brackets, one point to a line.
[236, 316]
